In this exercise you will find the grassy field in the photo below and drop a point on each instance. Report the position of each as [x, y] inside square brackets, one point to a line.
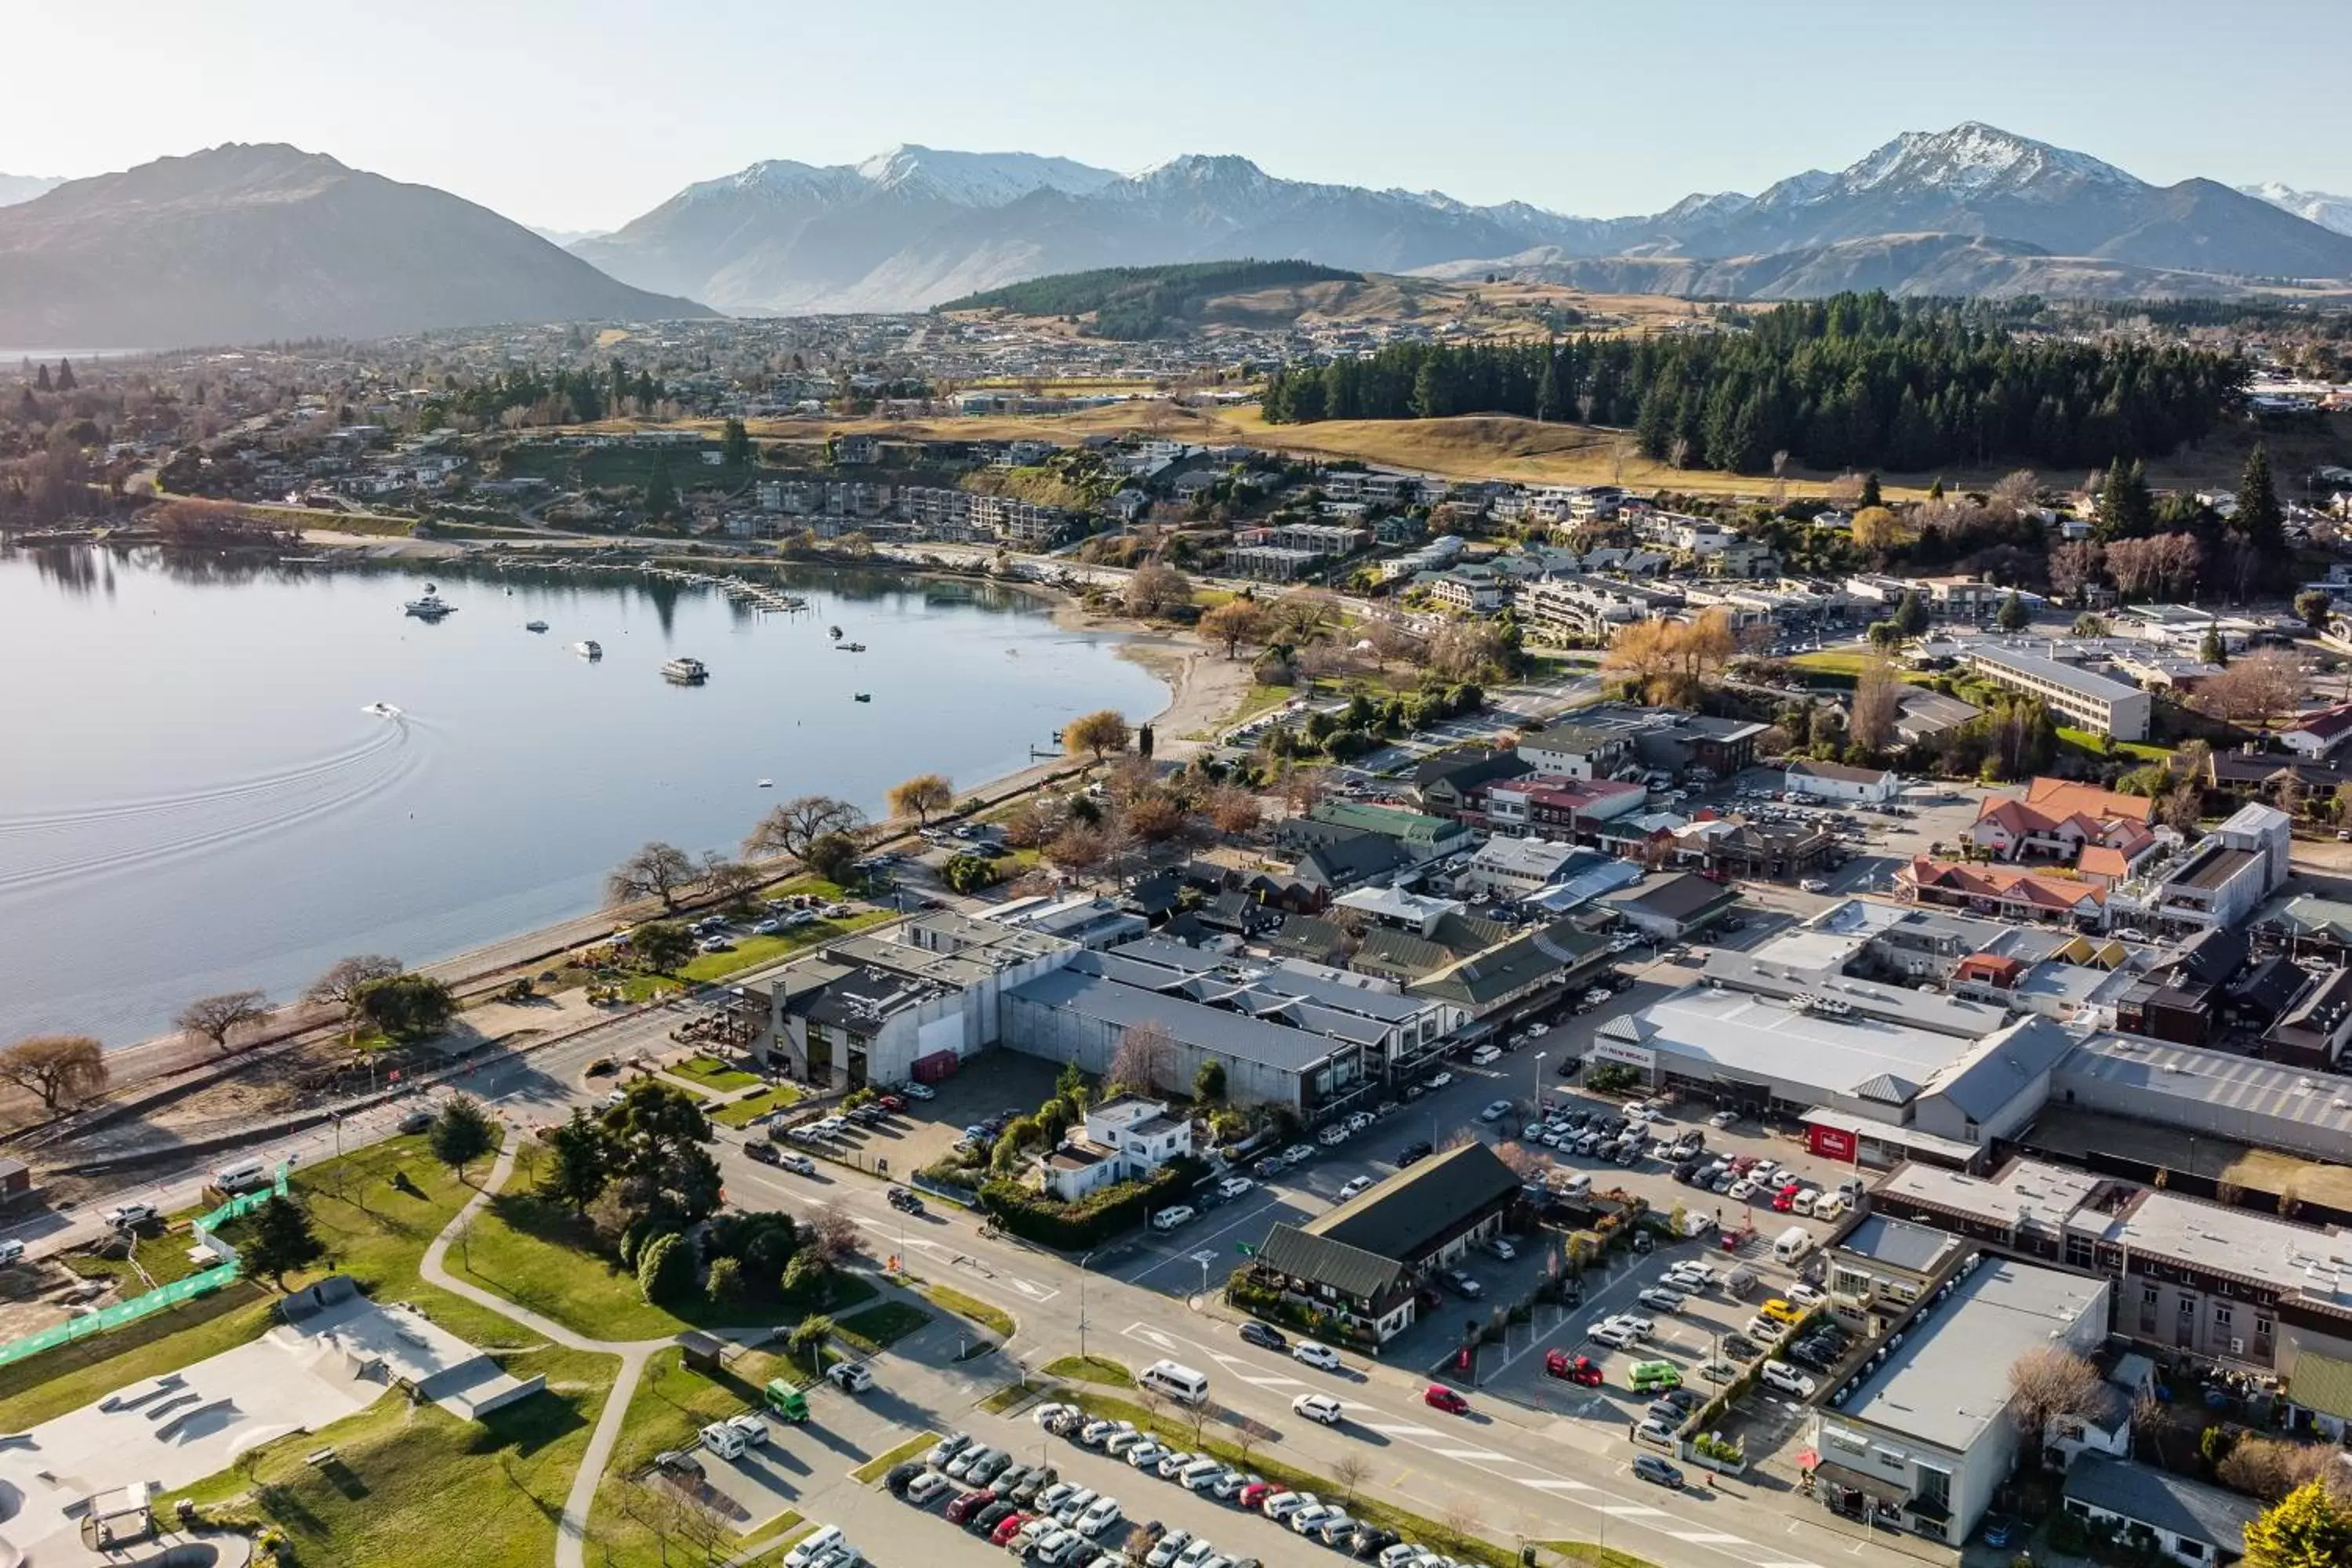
[882, 1325]
[751, 1107]
[753, 951]
[414, 1484]
[671, 1403]
[541, 1256]
[994, 1319]
[713, 1075]
[374, 1232]
[1091, 1369]
[2100, 745]
[1596, 1556]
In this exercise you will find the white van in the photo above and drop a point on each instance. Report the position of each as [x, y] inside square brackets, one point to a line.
[1831, 1206]
[1177, 1381]
[815, 1547]
[1574, 1186]
[1794, 1243]
[239, 1177]
[1169, 1219]
[723, 1440]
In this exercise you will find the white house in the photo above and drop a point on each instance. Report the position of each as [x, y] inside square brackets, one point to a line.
[1837, 781]
[2195, 1525]
[1124, 1139]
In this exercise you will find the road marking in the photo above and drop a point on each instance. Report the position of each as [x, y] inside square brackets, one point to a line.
[1030, 1288]
[1554, 1484]
[1394, 1430]
[1707, 1537]
[1631, 1511]
[1789, 1563]
[1470, 1454]
[1153, 1336]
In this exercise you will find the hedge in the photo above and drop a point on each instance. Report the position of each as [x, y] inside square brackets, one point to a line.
[1070, 1227]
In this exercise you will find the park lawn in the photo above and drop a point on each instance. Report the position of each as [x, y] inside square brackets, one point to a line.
[672, 1403]
[1831, 661]
[713, 1074]
[414, 1484]
[2100, 745]
[374, 1232]
[540, 1256]
[1092, 1369]
[751, 1107]
[996, 1318]
[883, 1324]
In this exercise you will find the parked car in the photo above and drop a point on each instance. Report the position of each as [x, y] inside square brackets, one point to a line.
[1323, 1357]
[1262, 1336]
[1437, 1396]
[1575, 1369]
[1657, 1471]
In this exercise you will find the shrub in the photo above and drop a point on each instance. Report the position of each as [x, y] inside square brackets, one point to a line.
[665, 1269]
[726, 1282]
[1034, 1216]
[2067, 1534]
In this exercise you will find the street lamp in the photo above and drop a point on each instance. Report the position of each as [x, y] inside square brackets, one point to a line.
[1089, 1257]
[1537, 1100]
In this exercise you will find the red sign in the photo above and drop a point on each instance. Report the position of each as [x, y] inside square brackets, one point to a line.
[1832, 1142]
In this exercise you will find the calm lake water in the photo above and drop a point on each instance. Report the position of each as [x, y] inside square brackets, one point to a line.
[192, 797]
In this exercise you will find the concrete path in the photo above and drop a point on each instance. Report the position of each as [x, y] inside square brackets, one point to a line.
[572, 1529]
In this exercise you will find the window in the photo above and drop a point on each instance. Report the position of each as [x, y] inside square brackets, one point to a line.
[2221, 1317]
[2078, 1251]
[1934, 1488]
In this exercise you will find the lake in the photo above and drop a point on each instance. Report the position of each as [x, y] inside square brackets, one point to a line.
[194, 797]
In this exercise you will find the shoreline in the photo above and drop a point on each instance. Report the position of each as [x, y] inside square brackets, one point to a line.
[1203, 690]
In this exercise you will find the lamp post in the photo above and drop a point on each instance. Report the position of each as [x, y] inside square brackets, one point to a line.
[1089, 1257]
[1538, 1100]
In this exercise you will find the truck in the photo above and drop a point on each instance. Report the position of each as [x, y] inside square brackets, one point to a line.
[788, 1402]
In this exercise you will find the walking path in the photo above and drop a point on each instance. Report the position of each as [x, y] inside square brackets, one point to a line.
[572, 1529]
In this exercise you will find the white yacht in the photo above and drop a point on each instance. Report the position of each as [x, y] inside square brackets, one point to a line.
[588, 649]
[431, 607]
[686, 671]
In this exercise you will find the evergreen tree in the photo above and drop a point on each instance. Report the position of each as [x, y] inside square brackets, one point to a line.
[1911, 615]
[2211, 648]
[665, 1268]
[2012, 616]
[65, 375]
[2306, 1529]
[661, 491]
[282, 1240]
[1870, 496]
[2127, 511]
[1935, 490]
[735, 445]
[1547, 403]
[581, 1170]
[462, 1133]
[2258, 519]
[42, 379]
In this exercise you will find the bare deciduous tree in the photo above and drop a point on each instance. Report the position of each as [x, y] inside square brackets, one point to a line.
[2255, 689]
[727, 880]
[1351, 1471]
[2046, 1382]
[656, 871]
[1157, 590]
[1145, 1060]
[216, 1018]
[832, 1233]
[340, 986]
[1877, 704]
[62, 1069]
[2269, 1467]
[1234, 623]
[1078, 849]
[792, 828]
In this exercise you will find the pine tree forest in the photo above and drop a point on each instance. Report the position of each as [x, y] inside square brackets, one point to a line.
[1857, 381]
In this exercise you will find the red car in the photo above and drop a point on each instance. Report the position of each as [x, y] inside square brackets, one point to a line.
[961, 1510]
[1440, 1398]
[1009, 1526]
[1255, 1493]
[1786, 1198]
[1576, 1369]
[890, 1102]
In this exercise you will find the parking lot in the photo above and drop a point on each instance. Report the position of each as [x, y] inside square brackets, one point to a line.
[992, 1084]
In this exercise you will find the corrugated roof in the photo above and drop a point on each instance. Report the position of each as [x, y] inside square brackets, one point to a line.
[1403, 1216]
[2175, 1504]
[1321, 1260]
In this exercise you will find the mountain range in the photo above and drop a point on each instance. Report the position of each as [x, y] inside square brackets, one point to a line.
[914, 226]
[15, 189]
[2326, 211]
[247, 242]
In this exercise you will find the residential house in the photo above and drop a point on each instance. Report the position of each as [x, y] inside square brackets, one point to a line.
[2318, 735]
[2194, 1524]
[2313, 1029]
[2003, 891]
[1125, 1139]
[2058, 818]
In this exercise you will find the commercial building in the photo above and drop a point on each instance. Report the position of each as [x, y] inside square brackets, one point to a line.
[2004, 890]
[2214, 1093]
[1514, 869]
[2220, 881]
[2058, 819]
[1840, 781]
[1422, 837]
[2099, 703]
[1926, 1440]
[1674, 907]
[1364, 1262]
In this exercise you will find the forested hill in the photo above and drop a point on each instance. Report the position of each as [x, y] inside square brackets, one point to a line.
[1131, 303]
[1857, 381]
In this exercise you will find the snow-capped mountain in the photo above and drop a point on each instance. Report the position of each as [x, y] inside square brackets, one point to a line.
[2315, 207]
[15, 189]
[915, 226]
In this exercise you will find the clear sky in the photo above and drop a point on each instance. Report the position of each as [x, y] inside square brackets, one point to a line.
[582, 114]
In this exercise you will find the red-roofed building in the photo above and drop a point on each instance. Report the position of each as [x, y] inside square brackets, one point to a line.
[2318, 734]
[1554, 807]
[2060, 820]
[2003, 891]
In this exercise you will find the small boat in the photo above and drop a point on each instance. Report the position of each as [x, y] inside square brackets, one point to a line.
[832, 632]
[588, 649]
[686, 671]
[431, 607]
[849, 647]
[381, 710]
[767, 784]
[861, 697]
[534, 625]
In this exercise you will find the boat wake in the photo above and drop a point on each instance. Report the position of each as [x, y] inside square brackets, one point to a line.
[43, 847]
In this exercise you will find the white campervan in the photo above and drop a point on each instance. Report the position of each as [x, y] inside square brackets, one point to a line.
[1177, 1381]
[1793, 1244]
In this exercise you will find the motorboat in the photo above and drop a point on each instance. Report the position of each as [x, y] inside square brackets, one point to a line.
[381, 710]
[686, 671]
[588, 649]
[534, 625]
[832, 632]
[767, 784]
[861, 697]
[432, 606]
[849, 647]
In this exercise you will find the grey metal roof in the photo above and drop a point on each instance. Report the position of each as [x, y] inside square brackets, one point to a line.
[1191, 1022]
[2163, 1501]
[1945, 1384]
[1403, 1216]
[2001, 1066]
[2319, 1105]
[2106, 689]
[1899, 1244]
[1321, 1260]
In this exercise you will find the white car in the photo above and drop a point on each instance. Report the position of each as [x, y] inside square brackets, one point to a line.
[1234, 1187]
[1662, 1297]
[1805, 1295]
[1502, 1249]
[1787, 1379]
[1814, 885]
[1485, 1055]
[927, 1486]
[1317, 1407]
[753, 1427]
[919, 1092]
[1496, 1110]
[1100, 1515]
[1323, 1357]
[1439, 1080]
[1355, 1184]
[1282, 1505]
[1613, 1333]
[1331, 1136]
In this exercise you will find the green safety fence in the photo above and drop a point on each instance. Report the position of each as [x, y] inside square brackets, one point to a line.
[162, 1296]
